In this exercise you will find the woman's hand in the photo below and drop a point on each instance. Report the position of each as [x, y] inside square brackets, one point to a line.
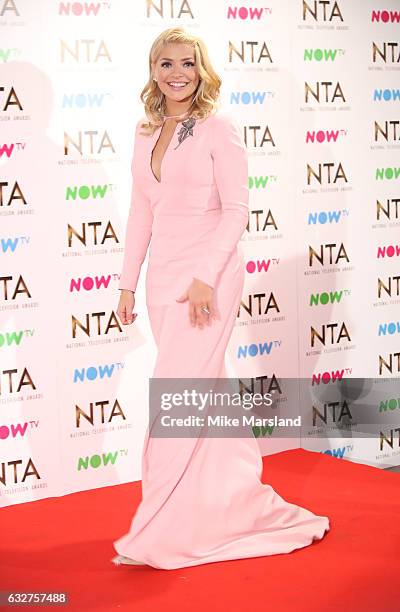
[199, 295]
[125, 307]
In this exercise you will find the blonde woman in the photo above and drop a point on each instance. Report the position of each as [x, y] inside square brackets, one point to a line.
[202, 498]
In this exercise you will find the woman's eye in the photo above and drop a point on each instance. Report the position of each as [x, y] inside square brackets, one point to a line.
[169, 63]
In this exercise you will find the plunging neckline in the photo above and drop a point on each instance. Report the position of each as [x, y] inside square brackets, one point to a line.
[165, 152]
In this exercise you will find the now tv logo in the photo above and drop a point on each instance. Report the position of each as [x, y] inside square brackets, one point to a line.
[261, 431]
[389, 404]
[88, 283]
[323, 217]
[386, 16]
[338, 453]
[8, 149]
[84, 192]
[389, 328]
[320, 55]
[96, 461]
[258, 350]
[387, 95]
[92, 373]
[321, 136]
[250, 97]
[388, 251]
[11, 244]
[87, 100]
[82, 9]
[261, 265]
[17, 429]
[325, 298]
[330, 377]
[261, 182]
[10, 338]
[387, 173]
[248, 12]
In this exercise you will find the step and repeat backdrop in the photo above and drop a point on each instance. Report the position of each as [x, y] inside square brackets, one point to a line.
[315, 89]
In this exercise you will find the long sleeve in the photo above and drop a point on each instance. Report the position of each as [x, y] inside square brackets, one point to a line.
[138, 230]
[230, 161]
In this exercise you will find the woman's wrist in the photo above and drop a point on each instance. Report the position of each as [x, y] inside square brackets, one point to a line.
[201, 281]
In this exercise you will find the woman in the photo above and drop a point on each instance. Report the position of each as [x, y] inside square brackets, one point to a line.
[202, 498]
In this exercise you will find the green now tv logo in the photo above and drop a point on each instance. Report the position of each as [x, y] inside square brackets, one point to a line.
[389, 404]
[324, 298]
[85, 192]
[261, 182]
[322, 55]
[387, 174]
[96, 461]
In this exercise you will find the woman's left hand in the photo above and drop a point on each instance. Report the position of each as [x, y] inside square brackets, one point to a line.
[200, 295]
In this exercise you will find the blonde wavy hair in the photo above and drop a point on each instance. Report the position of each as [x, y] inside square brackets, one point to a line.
[207, 94]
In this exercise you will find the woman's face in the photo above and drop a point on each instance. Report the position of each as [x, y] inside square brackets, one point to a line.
[176, 72]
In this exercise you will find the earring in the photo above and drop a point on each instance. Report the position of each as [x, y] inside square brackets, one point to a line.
[154, 79]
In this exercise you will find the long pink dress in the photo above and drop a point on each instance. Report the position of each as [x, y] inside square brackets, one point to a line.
[203, 500]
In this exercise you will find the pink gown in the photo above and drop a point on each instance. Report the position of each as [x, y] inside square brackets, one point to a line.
[202, 498]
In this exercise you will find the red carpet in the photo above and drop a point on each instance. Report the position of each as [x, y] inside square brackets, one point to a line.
[64, 544]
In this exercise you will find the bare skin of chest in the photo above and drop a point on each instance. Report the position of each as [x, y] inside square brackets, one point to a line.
[161, 146]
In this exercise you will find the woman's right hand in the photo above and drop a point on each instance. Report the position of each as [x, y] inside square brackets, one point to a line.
[125, 307]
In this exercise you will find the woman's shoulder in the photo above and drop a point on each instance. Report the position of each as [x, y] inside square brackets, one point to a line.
[225, 128]
[142, 120]
[224, 122]
[222, 117]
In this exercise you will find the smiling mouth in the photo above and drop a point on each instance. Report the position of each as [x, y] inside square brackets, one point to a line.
[177, 86]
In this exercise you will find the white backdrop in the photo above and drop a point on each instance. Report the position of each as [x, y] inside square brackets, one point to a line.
[315, 87]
